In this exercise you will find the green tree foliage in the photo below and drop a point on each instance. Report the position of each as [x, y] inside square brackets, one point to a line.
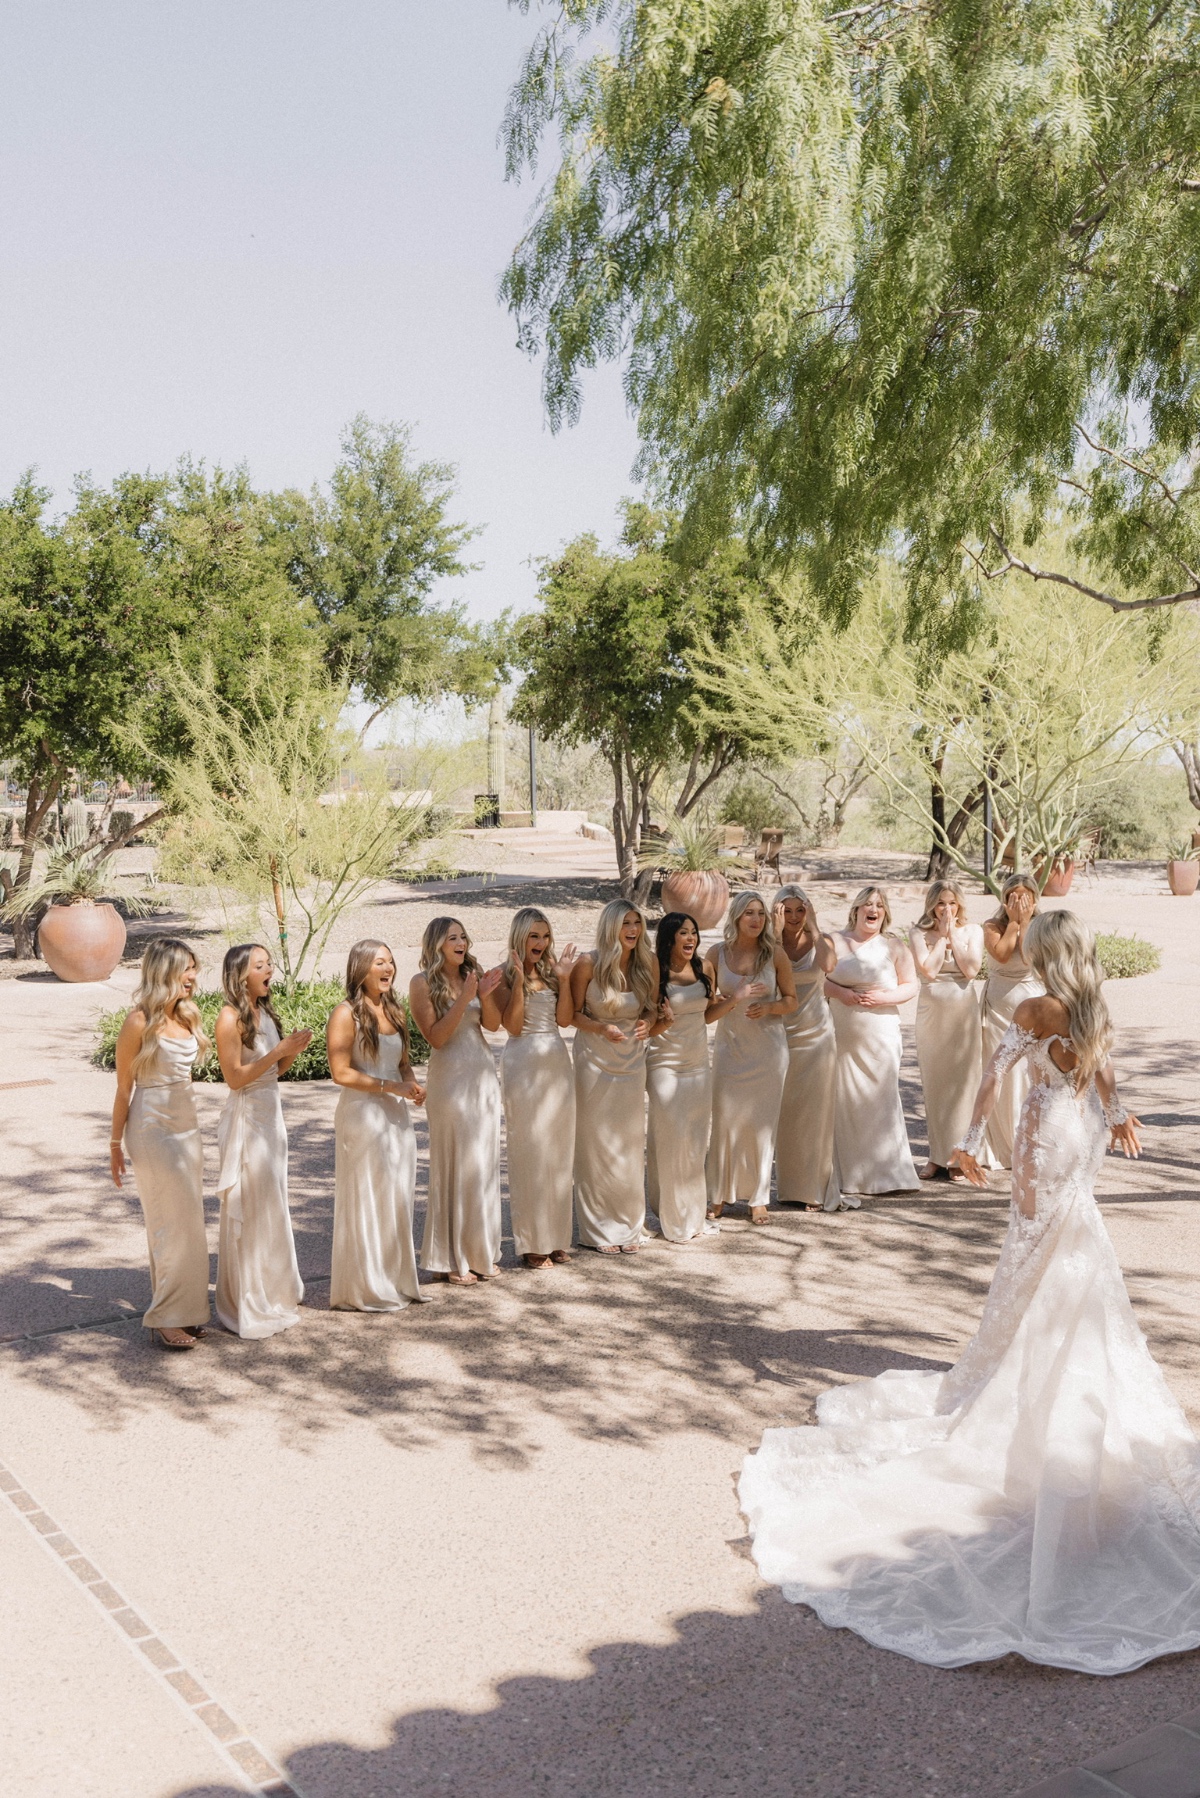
[885, 273]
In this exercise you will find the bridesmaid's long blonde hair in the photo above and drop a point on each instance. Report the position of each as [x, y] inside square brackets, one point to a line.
[1062, 952]
[518, 936]
[1014, 881]
[359, 963]
[164, 965]
[934, 897]
[233, 985]
[433, 962]
[606, 967]
[766, 942]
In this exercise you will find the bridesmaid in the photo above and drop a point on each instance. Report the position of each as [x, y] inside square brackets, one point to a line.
[1010, 980]
[375, 1150]
[533, 1003]
[804, 1146]
[615, 996]
[750, 1060]
[258, 1281]
[679, 1081]
[462, 1102]
[873, 976]
[948, 954]
[155, 1111]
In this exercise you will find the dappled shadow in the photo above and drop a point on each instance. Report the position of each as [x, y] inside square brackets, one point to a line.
[505, 892]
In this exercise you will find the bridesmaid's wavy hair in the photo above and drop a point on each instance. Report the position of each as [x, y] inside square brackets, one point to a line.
[359, 963]
[433, 963]
[518, 936]
[606, 965]
[1062, 952]
[664, 944]
[766, 942]
[934, 897]
[233, 985]
[860, 899]
[164, 965]
[1010, 886]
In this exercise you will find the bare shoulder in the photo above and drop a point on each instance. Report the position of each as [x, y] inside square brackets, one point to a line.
[1042, 1016]
[135, 1022]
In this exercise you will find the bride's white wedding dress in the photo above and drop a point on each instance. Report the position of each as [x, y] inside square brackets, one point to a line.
[1043, 1496]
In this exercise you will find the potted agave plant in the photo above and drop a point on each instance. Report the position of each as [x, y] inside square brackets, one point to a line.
[1183, 868]
[690, 865]
[80, 934]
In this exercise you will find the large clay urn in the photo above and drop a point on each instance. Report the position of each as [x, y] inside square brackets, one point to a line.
[83, 941]
[705, 896]
[1182, 877]
[1059, 883]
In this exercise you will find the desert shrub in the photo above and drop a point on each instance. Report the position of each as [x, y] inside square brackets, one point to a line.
[750, 801]
[119, 823]
[1140, 813]
[1124, 957]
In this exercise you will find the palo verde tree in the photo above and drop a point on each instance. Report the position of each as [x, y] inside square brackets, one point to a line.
[885, 273]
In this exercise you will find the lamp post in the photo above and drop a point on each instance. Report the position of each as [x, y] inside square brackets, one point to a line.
[533, 776]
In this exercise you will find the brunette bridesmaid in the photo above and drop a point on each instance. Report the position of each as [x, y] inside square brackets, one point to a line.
[804, 1146]
[750, 1058]
[615, 996]
[375, 1149]
[462, 1102]
[873, 976]
[1010, 980]
[258, 1281]
[533, 1003]
[155, 1112]
[679, 1082]
[948, 953]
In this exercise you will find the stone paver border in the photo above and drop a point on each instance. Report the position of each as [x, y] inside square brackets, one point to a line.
[252, 1766]
[1159, 1763]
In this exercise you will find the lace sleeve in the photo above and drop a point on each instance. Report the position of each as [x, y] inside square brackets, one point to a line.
[1012, 1045]
[1106, 1090]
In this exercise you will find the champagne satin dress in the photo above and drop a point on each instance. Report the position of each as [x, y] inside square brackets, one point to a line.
[162, 1135]
[610, 1125]
[538, 1083]
[804, 1145]
[1009, 983]
[258, 1281]
[949, 1053]
[750, 1064]
[462, 1103]
[870, 1140]
[375, 1180]
[679, 1082]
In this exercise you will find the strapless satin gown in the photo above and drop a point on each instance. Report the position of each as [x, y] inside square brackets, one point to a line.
[610, 1125]
[538, 1082]
[679, 1082]
[258, 1281]
[750, 1063]
[375, 1180]
[869, 1134]
[462, 1103]
[804, 1172]
[162, 1135]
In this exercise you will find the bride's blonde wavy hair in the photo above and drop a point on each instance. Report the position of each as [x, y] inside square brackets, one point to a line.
[766, 942]
[159, 996]
[359, 962]
[1062, 952]
[518, 936]
[606, 968]
[433, 962]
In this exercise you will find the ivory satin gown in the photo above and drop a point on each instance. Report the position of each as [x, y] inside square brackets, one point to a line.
[1042, 1497]
[162, 1135]
[949, 1054]
[804, 1173]
[870, 1139]
[1008, 984]
[258, 1281]
[462, 1104]
[539, 1113]
[375, 1180]
[750, 1064]
[610, 1125]
[679, 1082]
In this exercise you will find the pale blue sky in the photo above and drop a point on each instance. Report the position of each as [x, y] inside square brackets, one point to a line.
[226, 226]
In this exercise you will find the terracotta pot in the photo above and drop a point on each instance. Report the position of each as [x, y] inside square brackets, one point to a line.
[1061, 876]
[705, 896]
[1182, 877]
[82, 941]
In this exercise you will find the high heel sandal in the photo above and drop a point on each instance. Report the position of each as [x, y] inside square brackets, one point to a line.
[179, 1348]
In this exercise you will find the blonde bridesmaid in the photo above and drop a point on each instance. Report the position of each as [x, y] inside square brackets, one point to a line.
[679, 1082]
[154, 1113]
[948, 954]
[1010, 980]
[462, 1102]
[872, 977]
[615, 997]
[375, 1149]
[533, 1004]
[753, 978]
[804, 1146]
[258, 1281]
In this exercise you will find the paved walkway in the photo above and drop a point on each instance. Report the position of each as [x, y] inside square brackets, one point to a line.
[492, 1546]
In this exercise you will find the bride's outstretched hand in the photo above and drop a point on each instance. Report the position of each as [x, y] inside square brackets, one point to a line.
[1125, 1137]
[968, 1166]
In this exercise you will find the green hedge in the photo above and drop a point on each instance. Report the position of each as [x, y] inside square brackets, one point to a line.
[307, 1006]
[1123, 957]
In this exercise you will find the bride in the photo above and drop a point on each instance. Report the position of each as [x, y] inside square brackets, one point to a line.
[1043, 1496]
